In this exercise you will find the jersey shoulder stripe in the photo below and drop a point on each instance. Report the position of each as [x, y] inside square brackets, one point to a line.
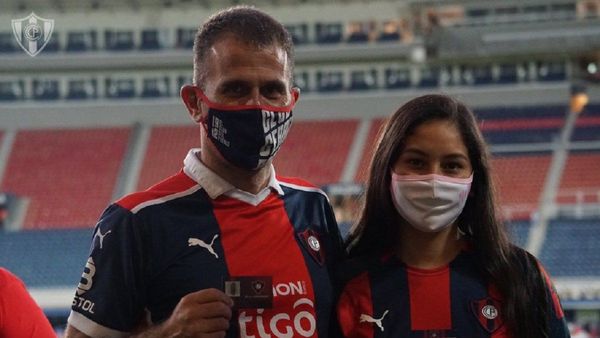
[300, 184]
[176, 186]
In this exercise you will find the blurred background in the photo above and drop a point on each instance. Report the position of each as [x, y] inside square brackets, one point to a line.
[96, 114]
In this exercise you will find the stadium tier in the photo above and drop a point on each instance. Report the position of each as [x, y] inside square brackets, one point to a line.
[520, 179]
[581, 179]
[67, 176]
[572, 248]
[363, 167]
[316, 150]
[165, 151]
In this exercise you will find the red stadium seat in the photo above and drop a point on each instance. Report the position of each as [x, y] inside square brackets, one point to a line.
[166, 150]
[68, 175]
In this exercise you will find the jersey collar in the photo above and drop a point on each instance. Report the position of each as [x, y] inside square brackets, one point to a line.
[215, 185]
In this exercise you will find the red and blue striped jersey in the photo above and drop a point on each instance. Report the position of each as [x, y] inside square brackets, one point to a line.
[152, 248]
[390, 299]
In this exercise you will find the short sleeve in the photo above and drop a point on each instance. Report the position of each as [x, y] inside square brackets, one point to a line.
[109, 300]
[558, 325]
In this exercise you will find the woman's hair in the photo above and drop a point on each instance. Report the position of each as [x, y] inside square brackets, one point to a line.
[509, 268]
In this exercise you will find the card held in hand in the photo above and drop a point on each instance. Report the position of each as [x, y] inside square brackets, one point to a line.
[250, 292]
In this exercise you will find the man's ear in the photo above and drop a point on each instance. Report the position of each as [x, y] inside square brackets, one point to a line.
[296, 93]
[191, 102]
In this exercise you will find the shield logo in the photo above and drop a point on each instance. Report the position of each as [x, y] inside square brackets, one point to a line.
[32, 33]
[487, 312]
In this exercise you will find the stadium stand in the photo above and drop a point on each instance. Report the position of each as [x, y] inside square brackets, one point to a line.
[54, 257]
[500, 57]
[581, 179]
[363, 167]
[59, 172]
[166, 149]
[316, 150]
[572, 248]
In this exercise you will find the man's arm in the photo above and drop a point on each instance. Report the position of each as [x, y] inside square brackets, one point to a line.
[205, 313]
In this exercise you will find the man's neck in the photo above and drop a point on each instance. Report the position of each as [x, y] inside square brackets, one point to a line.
[427, 250]
[252, 181]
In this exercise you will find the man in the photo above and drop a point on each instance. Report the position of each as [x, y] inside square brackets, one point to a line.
[161, 259]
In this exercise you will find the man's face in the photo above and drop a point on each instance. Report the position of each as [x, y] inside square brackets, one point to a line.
[240, 74]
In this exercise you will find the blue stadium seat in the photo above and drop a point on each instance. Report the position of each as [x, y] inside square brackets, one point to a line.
[45, 90]
[120, 88]
[329, 32]
[8, 43]
[46, 258]
[572, 248]
[397, 78]
[552, 71]
[430, 77]
[301, 81]
[185, 37]
[150, 40]
[363, 79]
[328, 81]
[81, 41]
[519, 232]
[118, 40]
[82, 89]
[299, 33]
[156, 87]
[12, 90]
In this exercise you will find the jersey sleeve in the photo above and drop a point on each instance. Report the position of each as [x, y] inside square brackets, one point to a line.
[20, 316]
[557, 323]
[109, 300]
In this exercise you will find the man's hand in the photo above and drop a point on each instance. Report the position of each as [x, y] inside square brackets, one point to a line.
[205, 313]
[202, 314]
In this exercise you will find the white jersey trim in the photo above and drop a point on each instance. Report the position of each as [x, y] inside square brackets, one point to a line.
[304, 188]
[165, 198]
[91, 328]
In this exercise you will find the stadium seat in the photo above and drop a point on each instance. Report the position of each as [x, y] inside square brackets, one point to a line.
[165, 152]
[316, 150]
[572, 248]
[329, 32]
[520, 179]
[57, 171]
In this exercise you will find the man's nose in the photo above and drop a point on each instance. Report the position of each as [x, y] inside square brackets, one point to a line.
[254, 98]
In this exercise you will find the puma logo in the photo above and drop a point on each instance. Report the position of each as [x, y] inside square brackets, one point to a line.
[101, 236]
[201, 243]
[369, 319]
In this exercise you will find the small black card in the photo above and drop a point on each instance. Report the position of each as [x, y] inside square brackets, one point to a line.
[250, 292]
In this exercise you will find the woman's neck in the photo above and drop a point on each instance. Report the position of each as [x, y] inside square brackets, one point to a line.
[428, 250]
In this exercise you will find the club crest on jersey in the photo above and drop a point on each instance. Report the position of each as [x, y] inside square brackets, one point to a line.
[487, 312]
[310, 241]
[258, 286]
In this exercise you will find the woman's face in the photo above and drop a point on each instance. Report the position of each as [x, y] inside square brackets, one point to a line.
[435, 147]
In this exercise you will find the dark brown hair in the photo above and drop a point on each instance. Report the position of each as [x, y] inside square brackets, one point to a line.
[245, 23]
[510, 269]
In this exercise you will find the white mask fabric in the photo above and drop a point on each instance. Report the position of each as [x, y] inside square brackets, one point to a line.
[430, 203]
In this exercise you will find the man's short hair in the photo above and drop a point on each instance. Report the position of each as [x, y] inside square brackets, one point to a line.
[245, 23]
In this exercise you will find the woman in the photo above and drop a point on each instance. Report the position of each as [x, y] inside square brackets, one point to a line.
[429, 257]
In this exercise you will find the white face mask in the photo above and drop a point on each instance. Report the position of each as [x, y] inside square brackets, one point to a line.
[430, 203]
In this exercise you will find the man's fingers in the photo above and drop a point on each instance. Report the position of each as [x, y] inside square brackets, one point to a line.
[213, 310]
[209, 296]
[210, 326]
